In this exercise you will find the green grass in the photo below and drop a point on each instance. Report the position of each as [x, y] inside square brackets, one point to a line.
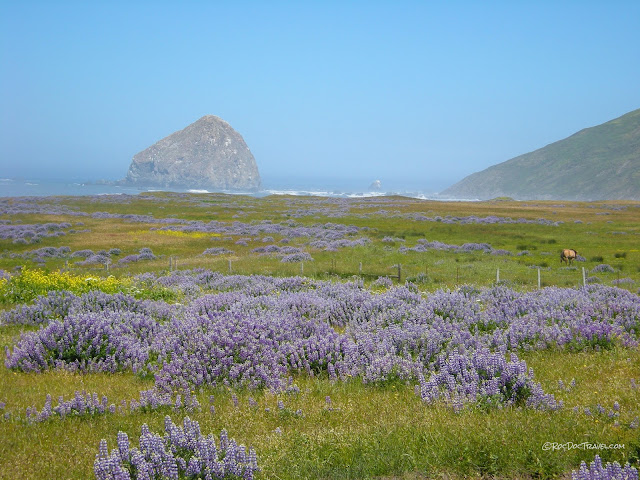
[373, 431]
[593, 239]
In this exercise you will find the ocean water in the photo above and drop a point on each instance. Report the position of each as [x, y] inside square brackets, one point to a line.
[43, 188]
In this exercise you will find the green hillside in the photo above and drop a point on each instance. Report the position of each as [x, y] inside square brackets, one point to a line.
[598, 163]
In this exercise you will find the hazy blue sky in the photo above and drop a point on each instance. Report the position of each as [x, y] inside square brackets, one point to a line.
[420, 92]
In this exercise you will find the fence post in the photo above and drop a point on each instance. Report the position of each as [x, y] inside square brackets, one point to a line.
[301, 268]
[229, 265]
[498, 275]
[399, 273]
[457, 275]
[538, 279]
[360, 269]
[584, 278]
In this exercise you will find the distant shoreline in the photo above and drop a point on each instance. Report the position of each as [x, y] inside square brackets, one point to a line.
[46, 188]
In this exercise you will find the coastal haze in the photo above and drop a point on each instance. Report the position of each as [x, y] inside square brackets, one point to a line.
[328, 98]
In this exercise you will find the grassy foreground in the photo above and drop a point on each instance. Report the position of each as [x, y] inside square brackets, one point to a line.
[371, 432]
[363, 431]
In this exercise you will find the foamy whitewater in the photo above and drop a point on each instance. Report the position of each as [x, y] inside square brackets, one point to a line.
[43, 188]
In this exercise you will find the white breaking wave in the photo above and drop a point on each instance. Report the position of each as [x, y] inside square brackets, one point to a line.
[14, 188]
[324, 193]
[304, 193]
[368, 194]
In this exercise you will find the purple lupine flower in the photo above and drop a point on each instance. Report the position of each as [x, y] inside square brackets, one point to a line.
[611, 471]
[123, 446]
[155, 456]
[216, 251]
[257, 331]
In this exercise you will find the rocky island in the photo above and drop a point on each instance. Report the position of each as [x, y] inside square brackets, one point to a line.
[208, 154]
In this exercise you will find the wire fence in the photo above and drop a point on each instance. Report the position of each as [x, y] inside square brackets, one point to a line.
[430, 273]
[435, 274]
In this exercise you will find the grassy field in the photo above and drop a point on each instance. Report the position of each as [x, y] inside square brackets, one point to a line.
[603, 233]
[363, 431]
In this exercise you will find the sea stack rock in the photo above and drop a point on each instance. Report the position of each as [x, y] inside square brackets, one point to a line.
[208, 154]
[375, 186]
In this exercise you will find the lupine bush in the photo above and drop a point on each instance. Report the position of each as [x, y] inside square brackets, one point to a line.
[277, 250]
[216, 251]
[611, 471]
[82, 253]
[384, 282]
[328, 236]
[89, 342]
[54, 305]
[334, 245]
[257, 331]
[58, 304]
[40, 255]
[296, 258]
[486, 379]
[97, 259]
[424, 245]
[134, 218]
[182, 452]
[143, 254]
[32, 233]
[328, 231]
[388, 239]
[230, 339]
[602, 268]
[473, 219]
[30, 205]
[87, 404]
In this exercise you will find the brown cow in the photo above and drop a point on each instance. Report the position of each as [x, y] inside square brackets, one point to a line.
[567, 255]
